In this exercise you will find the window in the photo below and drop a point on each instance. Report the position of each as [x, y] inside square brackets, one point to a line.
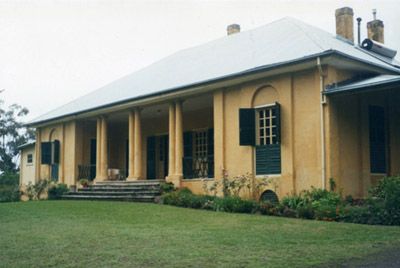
[260, 127]
[198, 149]
[29, 159]
[266, 126]
[200, 146]
[377, 144]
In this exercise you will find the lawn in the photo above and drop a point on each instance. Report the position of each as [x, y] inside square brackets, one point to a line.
[117, 234]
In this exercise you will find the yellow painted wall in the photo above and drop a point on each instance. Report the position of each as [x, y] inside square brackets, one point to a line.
[27, 171]
[346, 133]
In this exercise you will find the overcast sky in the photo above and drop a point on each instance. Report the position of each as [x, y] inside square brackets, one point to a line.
[52, 52]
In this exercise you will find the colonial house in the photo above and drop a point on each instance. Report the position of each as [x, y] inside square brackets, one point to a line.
[286, 100]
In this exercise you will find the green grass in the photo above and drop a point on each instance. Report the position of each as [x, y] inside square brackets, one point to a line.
[116, 234]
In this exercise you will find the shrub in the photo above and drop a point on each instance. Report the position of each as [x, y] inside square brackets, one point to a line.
[289, 213]
[40, 187]
[234, 204]
[9, 187]
[306, 212]
[185, 198]
[56, 191]
[267, 208]
[382, 207]
[328, 212]
[167, 187]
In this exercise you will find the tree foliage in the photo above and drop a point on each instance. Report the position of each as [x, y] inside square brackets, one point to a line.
[12, 135]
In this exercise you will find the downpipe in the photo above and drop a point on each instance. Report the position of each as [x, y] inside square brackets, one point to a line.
[323, 102]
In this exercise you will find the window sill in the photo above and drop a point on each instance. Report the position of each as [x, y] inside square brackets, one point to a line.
[268, 175]
[191, 180]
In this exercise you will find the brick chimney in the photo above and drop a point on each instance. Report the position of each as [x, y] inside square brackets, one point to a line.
[344, 23]
[375, 29]
[233, 28]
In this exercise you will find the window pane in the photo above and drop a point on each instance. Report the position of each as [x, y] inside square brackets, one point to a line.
[267, 130]
[262, 141]
[274, 121]
[262, 132]
[267, 123]
[261, 123]
[268, 142]
[274, 131]
[267, 113]
[274, 140]
[261, 114]
[273, 112]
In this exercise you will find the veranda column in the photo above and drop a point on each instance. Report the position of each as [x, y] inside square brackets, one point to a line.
[104, 151]
[178, 141]
[138, 147]
[38, 154]
[98, 149]
[131, 146]
[171, 144]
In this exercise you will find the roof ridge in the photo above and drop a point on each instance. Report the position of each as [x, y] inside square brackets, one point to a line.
[308, 34]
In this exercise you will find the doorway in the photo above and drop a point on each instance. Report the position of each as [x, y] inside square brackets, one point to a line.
[157, 157]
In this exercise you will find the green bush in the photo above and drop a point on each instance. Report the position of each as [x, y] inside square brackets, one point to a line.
[185, 198]
[234, 204]
[267, 208]
[9, 187]
[382, 207]
[55, 191]
[167, 187]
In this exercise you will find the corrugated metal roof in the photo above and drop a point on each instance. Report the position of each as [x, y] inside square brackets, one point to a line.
[379, 80]
[283, 41]
[26, 145]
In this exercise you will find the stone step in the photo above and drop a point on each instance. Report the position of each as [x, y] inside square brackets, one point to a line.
[137, 193]
[109, 198]
[118, 189]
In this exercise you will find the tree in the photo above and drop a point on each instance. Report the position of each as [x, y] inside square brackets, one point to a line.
[12, 135]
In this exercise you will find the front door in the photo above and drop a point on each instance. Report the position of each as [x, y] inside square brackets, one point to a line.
[93, 149]
[157, 157]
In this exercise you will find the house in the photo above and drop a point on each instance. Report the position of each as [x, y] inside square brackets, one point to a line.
[286, 100]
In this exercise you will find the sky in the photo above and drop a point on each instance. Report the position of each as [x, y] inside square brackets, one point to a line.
[52, 52]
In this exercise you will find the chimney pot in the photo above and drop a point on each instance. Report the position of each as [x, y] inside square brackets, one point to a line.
[375, 29]
[344, 23]
[233, 28]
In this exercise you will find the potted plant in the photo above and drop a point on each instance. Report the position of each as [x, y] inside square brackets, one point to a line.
[84, 183]
[72, 188]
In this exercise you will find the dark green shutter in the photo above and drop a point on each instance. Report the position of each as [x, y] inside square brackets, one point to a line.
[210, 152]
[278, 122]
[151, 158]
[188, 143]
[247, 124]
[268, 159]
[93, 157]
[187, 152]
[127, 158]
[56, 152]
[377, 142]
[46, 153]
[166, 154]
[54, 172]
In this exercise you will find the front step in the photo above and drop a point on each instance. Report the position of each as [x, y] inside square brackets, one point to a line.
[134, 191]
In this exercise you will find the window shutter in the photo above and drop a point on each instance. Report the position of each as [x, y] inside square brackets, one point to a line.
[210, 152]
[188, 143]
[247, 124]
[278, 122]
[187, 152]
[268, 159]
[377, 142]
[46, 153]
[55, 152]
[151, 158]
[210, 141]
